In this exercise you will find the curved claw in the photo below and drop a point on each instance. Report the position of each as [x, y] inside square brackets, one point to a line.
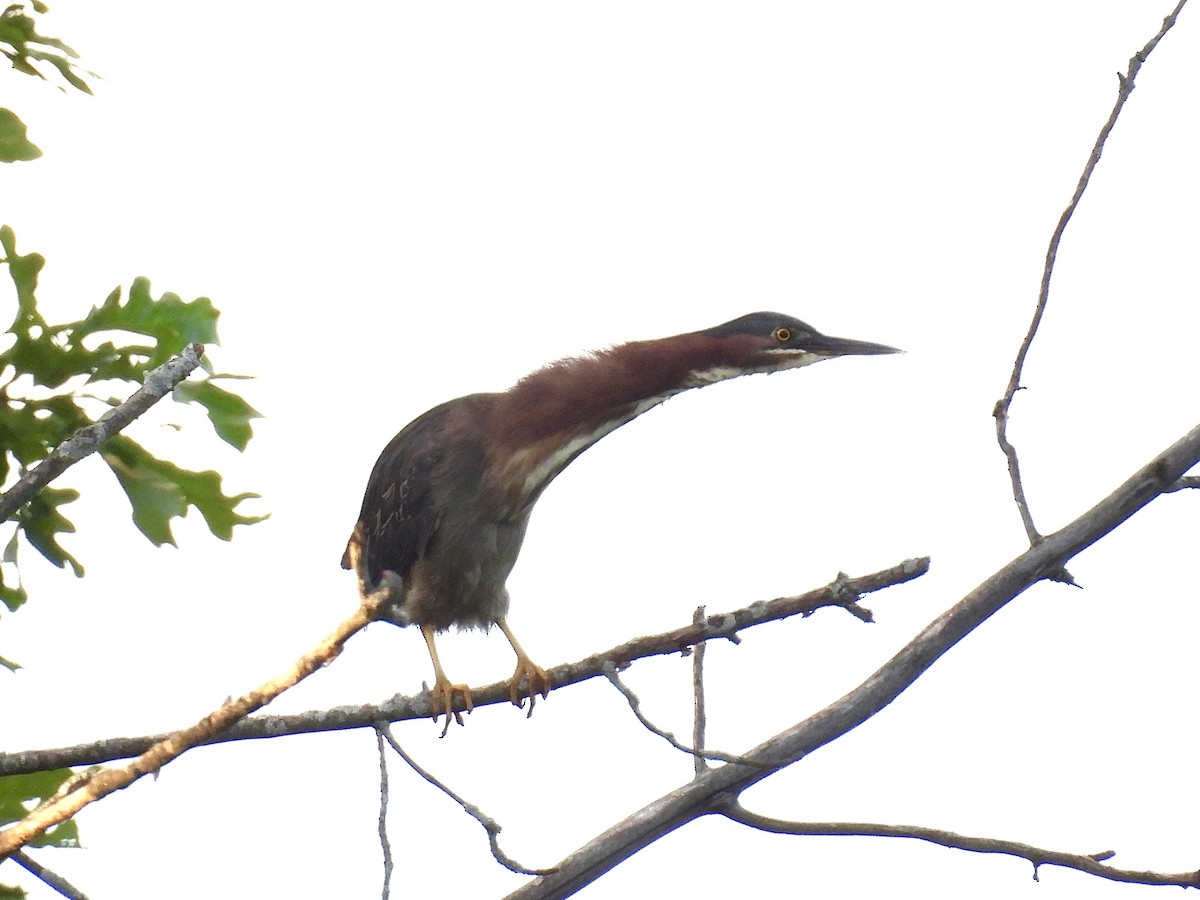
[535, 679]
[442, 701]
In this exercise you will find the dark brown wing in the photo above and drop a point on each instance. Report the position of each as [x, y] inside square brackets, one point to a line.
[399, 516]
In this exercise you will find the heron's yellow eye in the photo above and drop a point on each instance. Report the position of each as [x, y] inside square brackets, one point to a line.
[783, 335]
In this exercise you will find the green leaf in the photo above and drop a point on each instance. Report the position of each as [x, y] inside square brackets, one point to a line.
[11, 596]
[230, 414]
[48, 355]
[21, 793]
[155, 498]
[8, 892]
[30, 429]
[24, 271]
[159, 491]
[20, 32]
[65, 68]
[42, 523]
[14, 145]
[169, 320]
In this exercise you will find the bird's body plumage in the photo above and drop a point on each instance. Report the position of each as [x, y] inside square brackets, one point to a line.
[449, 498]
[453, 567]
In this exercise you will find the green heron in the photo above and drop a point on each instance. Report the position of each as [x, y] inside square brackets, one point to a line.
[448, 501]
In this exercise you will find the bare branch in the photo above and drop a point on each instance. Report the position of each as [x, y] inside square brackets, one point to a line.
[1187, 481]
[53, 879]
[712, 791]
[610, 672]
[158, 383]
[1000, 411]
[699, 709]
[842, 592]
[100, 784]
[489, 824]
[384, 843]
[1091, 863]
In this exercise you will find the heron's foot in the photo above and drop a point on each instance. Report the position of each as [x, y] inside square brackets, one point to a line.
[442, 701]
[535, 679]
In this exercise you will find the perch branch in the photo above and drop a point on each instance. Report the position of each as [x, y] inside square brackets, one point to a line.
[100, 784]
[842, 592]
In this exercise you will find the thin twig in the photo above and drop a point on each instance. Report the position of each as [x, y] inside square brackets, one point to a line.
[1091, 863]
[1184, 483]
[157, 384]
[381, 744]
[53, 879]
[699, 710]
[635, 704]
[490, 825]
[839, 593]
[1000, 412]
[105, 782]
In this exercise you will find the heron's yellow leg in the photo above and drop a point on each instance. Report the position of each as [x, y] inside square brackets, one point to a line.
[535, 677]
[443, 689]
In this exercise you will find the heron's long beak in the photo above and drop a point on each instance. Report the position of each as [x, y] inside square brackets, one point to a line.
[836, 346]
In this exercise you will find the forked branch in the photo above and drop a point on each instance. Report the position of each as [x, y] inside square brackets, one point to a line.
[714, 790]
[1000, 411]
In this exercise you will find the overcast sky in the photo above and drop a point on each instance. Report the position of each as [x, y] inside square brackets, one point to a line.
[393, 204]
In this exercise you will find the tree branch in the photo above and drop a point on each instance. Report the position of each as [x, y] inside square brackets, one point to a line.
[1092, 864]
[157, 384]
[1000, 411]
[50, 877]
[1183, 484]
[490, 825]
[384, 792]
[635, 704]
[699, 707]
[711, 791]
[94, 786]
[843, 592]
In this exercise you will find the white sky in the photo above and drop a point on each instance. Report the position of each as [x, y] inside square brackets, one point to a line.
[394, 204]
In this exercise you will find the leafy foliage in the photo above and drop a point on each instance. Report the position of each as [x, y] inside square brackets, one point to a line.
[41, 372]
[42, 368]
[26, 48]
[21, 793]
